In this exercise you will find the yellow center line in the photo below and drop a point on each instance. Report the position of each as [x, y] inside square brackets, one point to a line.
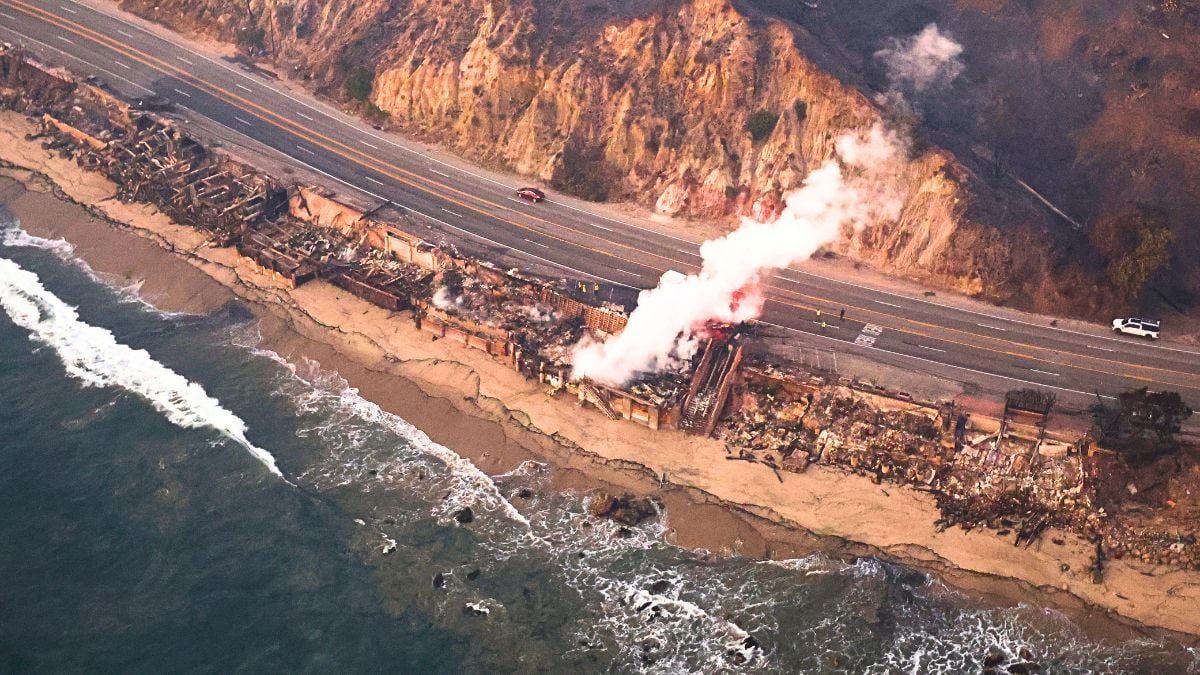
[422, 183]
[349, 153]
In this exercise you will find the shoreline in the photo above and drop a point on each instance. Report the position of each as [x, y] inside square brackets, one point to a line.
[500, 420]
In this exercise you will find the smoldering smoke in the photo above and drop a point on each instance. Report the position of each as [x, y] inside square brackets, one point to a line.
[847, 192]
[854, 189]
[926, 61]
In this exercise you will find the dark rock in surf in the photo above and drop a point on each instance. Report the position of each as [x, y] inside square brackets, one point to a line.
[995, 657]
[439, 580]
[473, 574]
[626, 510]
[465, 516]
[661, 586]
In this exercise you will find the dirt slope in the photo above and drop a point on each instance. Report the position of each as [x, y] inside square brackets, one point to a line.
[650, 101]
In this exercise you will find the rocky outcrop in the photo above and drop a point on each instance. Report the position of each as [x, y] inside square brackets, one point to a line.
[697, 108]
[626, 510]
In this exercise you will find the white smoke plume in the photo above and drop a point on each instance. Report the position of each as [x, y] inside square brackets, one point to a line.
[671, 319]
[925, 61]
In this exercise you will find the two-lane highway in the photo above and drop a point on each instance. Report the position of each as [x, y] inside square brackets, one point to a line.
[565, 237]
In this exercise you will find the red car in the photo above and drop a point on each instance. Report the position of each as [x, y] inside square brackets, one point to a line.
[531, 193]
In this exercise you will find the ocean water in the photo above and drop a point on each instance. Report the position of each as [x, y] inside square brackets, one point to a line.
[174, 497]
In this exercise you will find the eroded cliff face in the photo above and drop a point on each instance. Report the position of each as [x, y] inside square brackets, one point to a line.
[649, 101]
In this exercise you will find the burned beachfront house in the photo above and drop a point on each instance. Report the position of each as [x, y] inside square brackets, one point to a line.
[1016, 470]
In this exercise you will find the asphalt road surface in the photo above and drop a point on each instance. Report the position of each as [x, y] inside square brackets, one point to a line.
[996, 349]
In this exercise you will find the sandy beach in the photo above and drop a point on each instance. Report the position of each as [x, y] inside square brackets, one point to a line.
[490, 415]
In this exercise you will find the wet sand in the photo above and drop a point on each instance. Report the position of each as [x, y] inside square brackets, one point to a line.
[489, 414]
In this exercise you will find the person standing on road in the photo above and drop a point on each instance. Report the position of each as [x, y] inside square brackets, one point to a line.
[842, 315]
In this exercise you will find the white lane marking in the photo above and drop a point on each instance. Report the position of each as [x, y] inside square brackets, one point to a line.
[380, 197]
[889, 304]
[306, 117]
[304, 149]
[182, 93]
[1044, 372]
[357, 127]
[971, 311]
[679, 250]
[457, 215]
[373, 180]
[984, 325]
[185, 60]
[243, 87]
[358, 124]
[632, 274]
[1103, 349]
[8, 16]
[76, 58]
[601, 227]
[446, 175]
[514, 199]
[932, 349]
[123, 65]
[64, 39]
[537, 243]
[940, 363]
[246, 122]
[68, 10]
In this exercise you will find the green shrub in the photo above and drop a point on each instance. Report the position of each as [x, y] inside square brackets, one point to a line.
[761, 124]
[1132, 271]
[359, 83]
[801, 109]
[251, 38]
[586, 174]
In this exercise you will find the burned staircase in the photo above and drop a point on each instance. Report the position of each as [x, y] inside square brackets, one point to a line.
[594, 397]
[710, 385]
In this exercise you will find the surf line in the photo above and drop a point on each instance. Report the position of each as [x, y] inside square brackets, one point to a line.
[92, 355]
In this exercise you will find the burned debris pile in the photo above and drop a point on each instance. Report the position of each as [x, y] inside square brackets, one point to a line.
[1127, 486]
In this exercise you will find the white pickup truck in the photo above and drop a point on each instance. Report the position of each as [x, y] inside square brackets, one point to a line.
[1140, 327]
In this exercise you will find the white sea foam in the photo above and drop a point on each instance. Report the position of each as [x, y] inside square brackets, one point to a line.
[688, 626]
[628, 612]
[353, 418]
[93, 356]
[12, 235]
[701, 619]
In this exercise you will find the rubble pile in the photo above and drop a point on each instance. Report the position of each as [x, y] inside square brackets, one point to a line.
[1149, 512]
[663, 388]
[1007, 475]
[145, 154]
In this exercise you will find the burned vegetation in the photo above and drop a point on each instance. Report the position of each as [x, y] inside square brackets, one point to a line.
[1127, 483]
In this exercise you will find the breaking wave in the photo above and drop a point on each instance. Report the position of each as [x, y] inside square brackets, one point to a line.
[93, 356]
[347, 420]
[11, 234]
[647, 626]
[643, 605]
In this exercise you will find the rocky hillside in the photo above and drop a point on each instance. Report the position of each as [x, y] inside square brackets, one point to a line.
[698, 108]
[1094, 104]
